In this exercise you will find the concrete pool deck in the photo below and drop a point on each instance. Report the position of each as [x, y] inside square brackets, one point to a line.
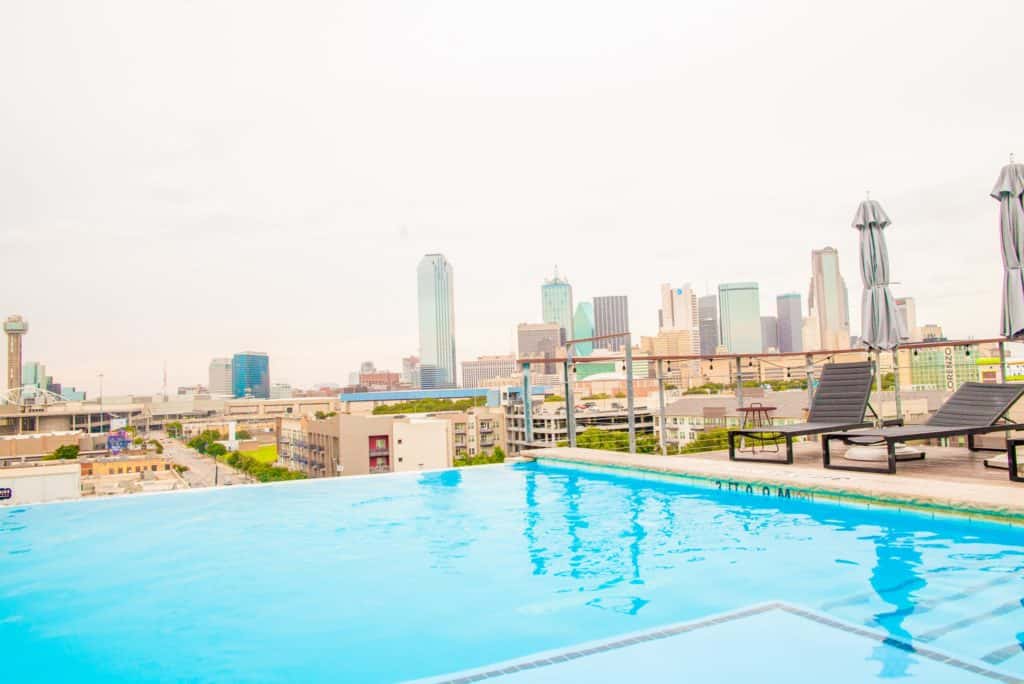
[948, 479]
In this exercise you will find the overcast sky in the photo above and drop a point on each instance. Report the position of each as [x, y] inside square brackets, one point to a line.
[183, 180]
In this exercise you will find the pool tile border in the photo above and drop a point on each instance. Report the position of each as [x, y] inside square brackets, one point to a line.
[553, 658]
[764, 487]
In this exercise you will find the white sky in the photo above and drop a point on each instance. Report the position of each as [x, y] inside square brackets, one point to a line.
[182, 180]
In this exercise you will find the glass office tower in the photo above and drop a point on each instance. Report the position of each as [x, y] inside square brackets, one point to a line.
[250, 375]
[436, 322]
[582, 328]
[556, 304]
[739, 316]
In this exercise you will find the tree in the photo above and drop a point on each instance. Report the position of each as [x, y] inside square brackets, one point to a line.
[157, 445]
[499, 453]
[320, 415]
[173, 428]
[216, 450]
[888, 382]
[429, 406]
[204, 440]
[138, 441]
[67, 452]
[243, 434]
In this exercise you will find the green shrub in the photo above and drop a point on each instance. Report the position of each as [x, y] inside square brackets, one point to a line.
[68, 452]
[216, 450]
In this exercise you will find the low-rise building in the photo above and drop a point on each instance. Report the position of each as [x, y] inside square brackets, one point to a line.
[550, 423]
[40, 482]
[362, 443]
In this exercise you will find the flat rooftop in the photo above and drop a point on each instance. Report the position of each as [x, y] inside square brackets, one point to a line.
[948, 478]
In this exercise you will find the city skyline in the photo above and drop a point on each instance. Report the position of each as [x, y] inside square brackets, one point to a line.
[190, 184]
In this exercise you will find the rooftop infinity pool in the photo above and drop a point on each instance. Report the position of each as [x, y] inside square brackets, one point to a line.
[390, 578]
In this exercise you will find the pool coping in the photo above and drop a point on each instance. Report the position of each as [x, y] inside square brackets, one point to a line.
[246, 485]
[556, 656]
[757, 484]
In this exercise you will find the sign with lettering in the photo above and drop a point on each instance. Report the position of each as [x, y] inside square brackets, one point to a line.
[949, 369]
[6, 493]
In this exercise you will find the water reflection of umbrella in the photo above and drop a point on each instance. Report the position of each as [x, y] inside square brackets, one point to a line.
[895, 578]
[1008, 190]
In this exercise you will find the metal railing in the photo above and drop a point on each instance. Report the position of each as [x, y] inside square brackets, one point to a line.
[739, 371]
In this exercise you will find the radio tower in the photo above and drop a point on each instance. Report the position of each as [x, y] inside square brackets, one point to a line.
[15, 326]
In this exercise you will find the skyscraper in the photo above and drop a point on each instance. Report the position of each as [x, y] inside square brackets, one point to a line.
[250, 375]
[556, 304]
[739, 316]
[611, 315]
[679, 311]
[16, 327]
[828, 300]
[33, 374]
[582, 328]
[707, 311]
[220, 378]
[539, 340]
[769, 333]
[411, 371]
[907, 309]
[790, 317]
[437, 322]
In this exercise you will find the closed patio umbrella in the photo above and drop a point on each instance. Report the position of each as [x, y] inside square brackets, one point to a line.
[881, 325]
[1008, 190]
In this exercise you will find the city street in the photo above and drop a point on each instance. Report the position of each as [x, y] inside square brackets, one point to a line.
[201, 469]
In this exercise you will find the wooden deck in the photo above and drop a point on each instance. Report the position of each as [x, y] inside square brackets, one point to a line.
[950, 479]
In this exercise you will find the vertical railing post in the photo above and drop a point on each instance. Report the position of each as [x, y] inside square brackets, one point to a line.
[809, 366]
[1002, 362]
[629, 394]
[661, 408]
[739, 382]
[570, 404]
[527, 406]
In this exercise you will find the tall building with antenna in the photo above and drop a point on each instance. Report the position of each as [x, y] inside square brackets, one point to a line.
[16, 328]
[556, 304]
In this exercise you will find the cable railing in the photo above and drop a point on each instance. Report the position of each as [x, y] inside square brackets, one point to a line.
[933, 365]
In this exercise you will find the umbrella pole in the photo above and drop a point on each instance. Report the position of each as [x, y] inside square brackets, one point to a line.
[1002, 362]
[878, 370]
[896, 383]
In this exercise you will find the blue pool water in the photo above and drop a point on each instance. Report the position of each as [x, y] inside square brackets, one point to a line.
[406, 576]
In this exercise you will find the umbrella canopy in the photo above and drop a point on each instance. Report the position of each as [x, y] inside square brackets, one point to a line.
[1007, 191]
[881, 325]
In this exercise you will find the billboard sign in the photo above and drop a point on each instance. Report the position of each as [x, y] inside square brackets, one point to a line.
[118, 442]
[118, 424]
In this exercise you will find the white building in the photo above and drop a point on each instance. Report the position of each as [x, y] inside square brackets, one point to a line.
[220, 377]
[907, 309]
[40, 483]
[421, 444]
[487, 368]
[679, 312]
[281, 390]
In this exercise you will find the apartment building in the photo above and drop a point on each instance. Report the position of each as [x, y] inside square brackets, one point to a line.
[364, 444]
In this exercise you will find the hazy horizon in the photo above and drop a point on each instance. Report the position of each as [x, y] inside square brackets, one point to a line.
[184, 181]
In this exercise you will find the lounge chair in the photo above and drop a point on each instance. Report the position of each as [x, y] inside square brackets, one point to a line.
[974, 409]
[839, 403]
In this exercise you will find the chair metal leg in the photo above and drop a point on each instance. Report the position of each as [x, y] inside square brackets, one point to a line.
[1011, 458]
